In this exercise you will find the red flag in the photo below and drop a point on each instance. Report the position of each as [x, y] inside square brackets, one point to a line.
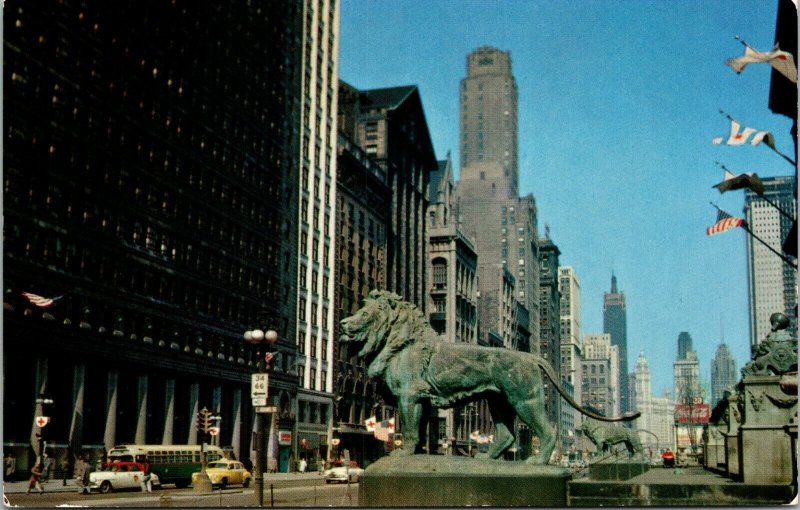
[724, 222]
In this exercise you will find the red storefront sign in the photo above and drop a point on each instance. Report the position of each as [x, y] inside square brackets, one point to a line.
[692, 413]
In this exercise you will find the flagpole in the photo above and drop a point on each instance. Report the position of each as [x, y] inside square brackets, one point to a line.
[746, 228]
[782, 256]
[774, 149]
[770, 202]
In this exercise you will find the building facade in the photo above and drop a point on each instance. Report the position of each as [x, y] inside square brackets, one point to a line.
[657, 421]
[724, 375]
[387, 157]
[150, 189]
[569, 288]
[453, 293]
[488, 114]
[615, 323]
[316, 237]
[600, 373]
[689, 400]
[363, 223]
[550, 322]
[772, 283]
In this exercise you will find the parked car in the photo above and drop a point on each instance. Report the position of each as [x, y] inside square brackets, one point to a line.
[120, 476]
[226, 472]
[344, 473]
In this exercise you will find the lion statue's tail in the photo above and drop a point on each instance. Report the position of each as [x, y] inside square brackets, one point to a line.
[548, 370]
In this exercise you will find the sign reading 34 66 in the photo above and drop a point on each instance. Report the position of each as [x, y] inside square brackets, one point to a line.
[259, 384]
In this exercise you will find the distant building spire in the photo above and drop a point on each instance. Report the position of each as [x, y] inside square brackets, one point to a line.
[613, 283]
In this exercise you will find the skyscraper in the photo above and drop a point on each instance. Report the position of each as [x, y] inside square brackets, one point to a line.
[150, 185]
[772, 283]
[488, 120]
[550, 319]
[316, 239]
[615, 323]
[684, 344]
[502, 224]
[569, 287]
[724, 375]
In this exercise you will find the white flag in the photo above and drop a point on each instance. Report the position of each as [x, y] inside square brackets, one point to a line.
[781, 61]
[370, 424]
[737, 137]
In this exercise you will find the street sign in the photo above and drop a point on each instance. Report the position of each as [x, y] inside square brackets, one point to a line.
[259, 401]
[270, 409]
[259, 384]
[41, 421]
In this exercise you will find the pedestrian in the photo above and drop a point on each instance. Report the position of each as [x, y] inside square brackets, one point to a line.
[36, 473]
[47, 467]
[147, 482]
[10, 466]
[64, 466]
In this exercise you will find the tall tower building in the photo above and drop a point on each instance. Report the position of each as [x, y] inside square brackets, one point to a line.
[316, 238]
[643, 393]
[150, 184]
[488, 119]
[569, 287]
[550, 319]
[684, 344]
[615, 323]
[724, 375]
[772, 283]
[503, 225]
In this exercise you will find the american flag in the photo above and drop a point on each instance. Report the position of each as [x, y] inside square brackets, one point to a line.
[40, 301]
[724, 222]
[383, 429]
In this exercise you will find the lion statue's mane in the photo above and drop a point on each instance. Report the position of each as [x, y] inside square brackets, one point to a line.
[418, 367]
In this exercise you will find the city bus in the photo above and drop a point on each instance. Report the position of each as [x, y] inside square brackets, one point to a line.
[172, 463]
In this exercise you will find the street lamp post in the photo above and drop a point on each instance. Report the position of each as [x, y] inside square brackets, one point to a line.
[42, 405]
[260, 340]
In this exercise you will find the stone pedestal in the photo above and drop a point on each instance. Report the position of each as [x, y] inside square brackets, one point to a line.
[448, 481]
[731, 437]
[766, 444]
[620, 470]
[714, 448]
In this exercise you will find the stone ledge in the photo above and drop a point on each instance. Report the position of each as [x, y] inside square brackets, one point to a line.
[445, 481]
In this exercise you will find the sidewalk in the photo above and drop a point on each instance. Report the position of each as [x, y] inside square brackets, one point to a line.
[49, 486]
[58, 485]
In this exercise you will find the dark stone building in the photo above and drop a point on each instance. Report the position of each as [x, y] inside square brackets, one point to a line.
[384, 160]
[550, 322]
[149, 185]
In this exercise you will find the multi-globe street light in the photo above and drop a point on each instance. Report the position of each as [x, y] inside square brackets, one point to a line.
[261, 340]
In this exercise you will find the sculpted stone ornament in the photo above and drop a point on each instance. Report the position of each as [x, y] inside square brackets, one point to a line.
[777, 354]
[417, 367]
[605, 436]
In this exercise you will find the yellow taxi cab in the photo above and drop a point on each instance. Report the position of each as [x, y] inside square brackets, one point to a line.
[225, 472]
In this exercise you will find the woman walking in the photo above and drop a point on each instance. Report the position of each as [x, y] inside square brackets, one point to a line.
[36, 472]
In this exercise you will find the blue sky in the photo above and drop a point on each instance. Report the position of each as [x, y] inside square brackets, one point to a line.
[618, 103]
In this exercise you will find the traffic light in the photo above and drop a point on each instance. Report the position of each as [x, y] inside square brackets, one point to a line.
[203, 423]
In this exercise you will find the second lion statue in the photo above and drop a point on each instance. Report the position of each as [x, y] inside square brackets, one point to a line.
[416, 366]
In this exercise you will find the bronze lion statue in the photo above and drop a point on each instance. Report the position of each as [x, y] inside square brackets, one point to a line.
[605, 436]
[417, 367]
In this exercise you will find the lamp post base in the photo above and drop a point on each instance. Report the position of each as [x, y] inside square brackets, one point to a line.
[203, 484]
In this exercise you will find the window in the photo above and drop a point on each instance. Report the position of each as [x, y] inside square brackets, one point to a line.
[440, 274]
